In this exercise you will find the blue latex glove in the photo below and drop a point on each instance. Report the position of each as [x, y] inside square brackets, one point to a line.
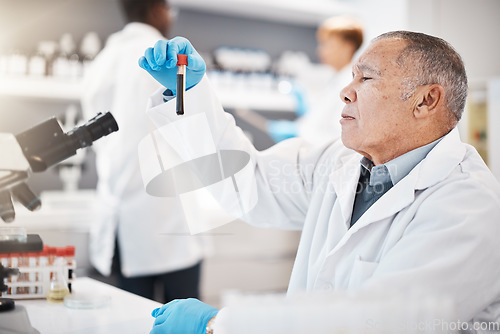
[161, 62]
[183, 316]
[299, 94]
[282, 129]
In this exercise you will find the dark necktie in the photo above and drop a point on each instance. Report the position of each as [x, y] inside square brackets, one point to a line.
[367, 194]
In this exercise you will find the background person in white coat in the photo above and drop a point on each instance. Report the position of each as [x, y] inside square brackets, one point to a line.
[153, 244]
[339, 38]
[400, 203]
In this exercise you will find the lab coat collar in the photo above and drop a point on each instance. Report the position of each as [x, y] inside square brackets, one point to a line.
[143, 28]
[134, 30]
[438, 164]
[344, 181]
[441, 160]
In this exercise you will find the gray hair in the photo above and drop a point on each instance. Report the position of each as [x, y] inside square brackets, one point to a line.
[435, 62]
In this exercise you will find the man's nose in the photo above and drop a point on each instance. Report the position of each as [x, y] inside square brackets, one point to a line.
[348, 94]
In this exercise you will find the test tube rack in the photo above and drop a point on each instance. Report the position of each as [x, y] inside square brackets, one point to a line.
[34, 279]
[24, 286]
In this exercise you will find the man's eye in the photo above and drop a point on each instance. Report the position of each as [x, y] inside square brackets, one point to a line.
[365, 78]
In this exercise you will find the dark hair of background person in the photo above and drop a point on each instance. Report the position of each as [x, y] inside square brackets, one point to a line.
[139, 10]
[156, 13]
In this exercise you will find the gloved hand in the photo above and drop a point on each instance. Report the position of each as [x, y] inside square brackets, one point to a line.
[282, 129]
[161, 62]
[183, 316]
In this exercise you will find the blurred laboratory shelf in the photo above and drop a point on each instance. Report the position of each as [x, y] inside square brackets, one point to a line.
[70, 90]
[308, 13]
[122, 312]
[261, 100]
[40, 88]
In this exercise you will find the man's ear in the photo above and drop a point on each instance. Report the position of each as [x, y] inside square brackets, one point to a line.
[429, 99]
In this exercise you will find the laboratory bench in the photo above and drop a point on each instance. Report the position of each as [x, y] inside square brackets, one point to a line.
[115, 311]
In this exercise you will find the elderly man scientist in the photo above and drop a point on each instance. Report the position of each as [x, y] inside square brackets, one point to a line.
[398, 202]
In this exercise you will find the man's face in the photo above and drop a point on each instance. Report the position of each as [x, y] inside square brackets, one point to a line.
[375, 120]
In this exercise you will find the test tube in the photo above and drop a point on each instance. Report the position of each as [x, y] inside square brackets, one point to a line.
[14, 263]
[70, 257]
[4, 261]
[52, 254]
[32, 263]
[23, 275]
[181, 83]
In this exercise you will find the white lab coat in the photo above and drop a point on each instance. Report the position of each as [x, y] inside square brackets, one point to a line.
[320, 124]
[436, 230]
[152, 233]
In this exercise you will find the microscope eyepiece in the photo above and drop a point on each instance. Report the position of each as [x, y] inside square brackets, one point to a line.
[97, 127]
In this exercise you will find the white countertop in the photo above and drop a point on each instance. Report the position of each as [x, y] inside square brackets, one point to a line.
[125, 312]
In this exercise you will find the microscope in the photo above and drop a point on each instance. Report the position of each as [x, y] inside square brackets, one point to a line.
[33, 151]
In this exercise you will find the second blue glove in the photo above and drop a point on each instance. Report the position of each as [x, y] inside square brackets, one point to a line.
[161, 62]
[183, 316]
[282, 129]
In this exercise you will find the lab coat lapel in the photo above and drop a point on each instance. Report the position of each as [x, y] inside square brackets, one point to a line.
[344, 181]
[396, 199]
[441, 161]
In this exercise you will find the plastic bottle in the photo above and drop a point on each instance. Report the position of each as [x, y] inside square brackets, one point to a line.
[37, 65]
[18, 63]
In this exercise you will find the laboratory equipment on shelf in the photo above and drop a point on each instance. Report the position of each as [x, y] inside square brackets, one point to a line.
[247, 78]
[67, 65]
[61, 59]
[38, 148]
[242, 59]
[90, 46]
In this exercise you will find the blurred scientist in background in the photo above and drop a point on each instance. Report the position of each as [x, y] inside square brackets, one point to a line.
[339, 38]
[152, 241]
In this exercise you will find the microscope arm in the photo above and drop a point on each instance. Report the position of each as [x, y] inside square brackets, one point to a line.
[14, 171]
